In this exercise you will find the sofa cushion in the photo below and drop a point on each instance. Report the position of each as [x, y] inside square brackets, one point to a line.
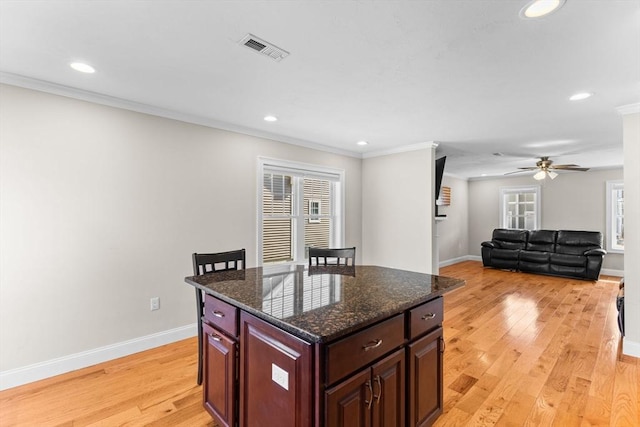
[568, 260]
[542, 240]
[577, 242]
[508, 254]
[534, 267]
[502, 258]
[510, 239]
[534, 256]
[534, 262]
[568, 271]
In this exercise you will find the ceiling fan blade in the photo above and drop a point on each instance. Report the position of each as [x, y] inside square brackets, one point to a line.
[570, 168]
[528, 169]
[564, 166]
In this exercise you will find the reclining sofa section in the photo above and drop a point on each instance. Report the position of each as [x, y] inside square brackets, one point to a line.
[565, 253]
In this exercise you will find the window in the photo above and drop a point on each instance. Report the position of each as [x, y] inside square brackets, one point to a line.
[299, 206]
[615, 216]
[314, 211]
[520, 207]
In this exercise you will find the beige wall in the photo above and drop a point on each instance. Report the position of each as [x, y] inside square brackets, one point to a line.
[453, 232]
[631, 132]
[572, 201]
[397, 210]
[101, 209]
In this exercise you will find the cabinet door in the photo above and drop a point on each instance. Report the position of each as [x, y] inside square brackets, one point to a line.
[276, 376]
[425, 379]
[349, 403]
[388, 391]
[219, 386]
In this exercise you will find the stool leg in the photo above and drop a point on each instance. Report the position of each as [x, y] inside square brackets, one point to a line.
[200, 355]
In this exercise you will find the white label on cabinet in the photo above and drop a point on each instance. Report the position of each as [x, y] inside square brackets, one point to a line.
[280, 376]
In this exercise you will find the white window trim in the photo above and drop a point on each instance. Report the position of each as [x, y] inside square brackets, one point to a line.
[521, 189]
[306, 169]
[611, 185]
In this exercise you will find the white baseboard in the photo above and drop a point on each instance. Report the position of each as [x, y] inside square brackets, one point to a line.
[38, 371]
[612, 272]
[460, 259]
[630, 348]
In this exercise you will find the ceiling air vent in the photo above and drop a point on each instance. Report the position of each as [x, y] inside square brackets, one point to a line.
[264, 48]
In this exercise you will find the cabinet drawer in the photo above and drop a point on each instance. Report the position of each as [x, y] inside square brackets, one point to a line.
[358, 350]
[222, 315]
[425, 317]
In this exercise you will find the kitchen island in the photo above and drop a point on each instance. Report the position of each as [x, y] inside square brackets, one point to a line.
[323, 346]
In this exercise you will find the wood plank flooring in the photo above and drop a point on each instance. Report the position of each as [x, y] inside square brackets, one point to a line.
[531, 350]
[521, 350]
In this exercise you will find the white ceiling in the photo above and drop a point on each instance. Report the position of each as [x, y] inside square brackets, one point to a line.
[470, 75]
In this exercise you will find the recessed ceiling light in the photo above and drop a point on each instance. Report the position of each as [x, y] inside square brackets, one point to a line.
[270, 118]
[539, 8]
[362, 143]
[580, 96]
[82, 67]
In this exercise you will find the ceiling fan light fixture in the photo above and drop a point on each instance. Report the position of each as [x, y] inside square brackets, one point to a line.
[552, 174]
[539, 8]
[539, 176]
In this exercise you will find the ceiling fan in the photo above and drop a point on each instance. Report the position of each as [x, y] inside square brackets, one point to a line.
[546, 167]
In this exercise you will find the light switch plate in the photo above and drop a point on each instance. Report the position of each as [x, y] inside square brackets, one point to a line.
[280, 376]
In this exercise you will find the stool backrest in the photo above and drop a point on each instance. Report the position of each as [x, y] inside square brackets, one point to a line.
[221, 261]
[336, 256]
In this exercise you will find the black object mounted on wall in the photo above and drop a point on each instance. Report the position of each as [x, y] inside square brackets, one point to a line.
[439, 172]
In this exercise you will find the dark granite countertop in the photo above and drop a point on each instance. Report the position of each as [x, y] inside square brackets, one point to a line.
[322, 304]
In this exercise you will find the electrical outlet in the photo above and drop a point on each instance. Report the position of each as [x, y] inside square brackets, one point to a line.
[155, 303]
[280, 376]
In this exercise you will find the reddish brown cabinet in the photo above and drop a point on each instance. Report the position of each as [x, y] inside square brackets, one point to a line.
[276, 376]
[295, 348]
[373, 397]
[425, 379]
[220, 375]
[348, 403]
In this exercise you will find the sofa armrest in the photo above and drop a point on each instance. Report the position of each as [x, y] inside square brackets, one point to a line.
[492, 245]
[599, 251]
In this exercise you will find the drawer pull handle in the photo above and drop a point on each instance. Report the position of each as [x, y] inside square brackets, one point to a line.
[377, 378]
[371, 345]
[215, 337]
[217, 313]
[429, 316]
[369, 402]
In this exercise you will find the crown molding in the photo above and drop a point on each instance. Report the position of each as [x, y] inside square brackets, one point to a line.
[452, 175]
[97, 98]
[629, 109]
[403, 149]
[111, 101]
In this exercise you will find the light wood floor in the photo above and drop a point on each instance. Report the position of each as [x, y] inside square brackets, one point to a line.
[531, 350]
[520, 350]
